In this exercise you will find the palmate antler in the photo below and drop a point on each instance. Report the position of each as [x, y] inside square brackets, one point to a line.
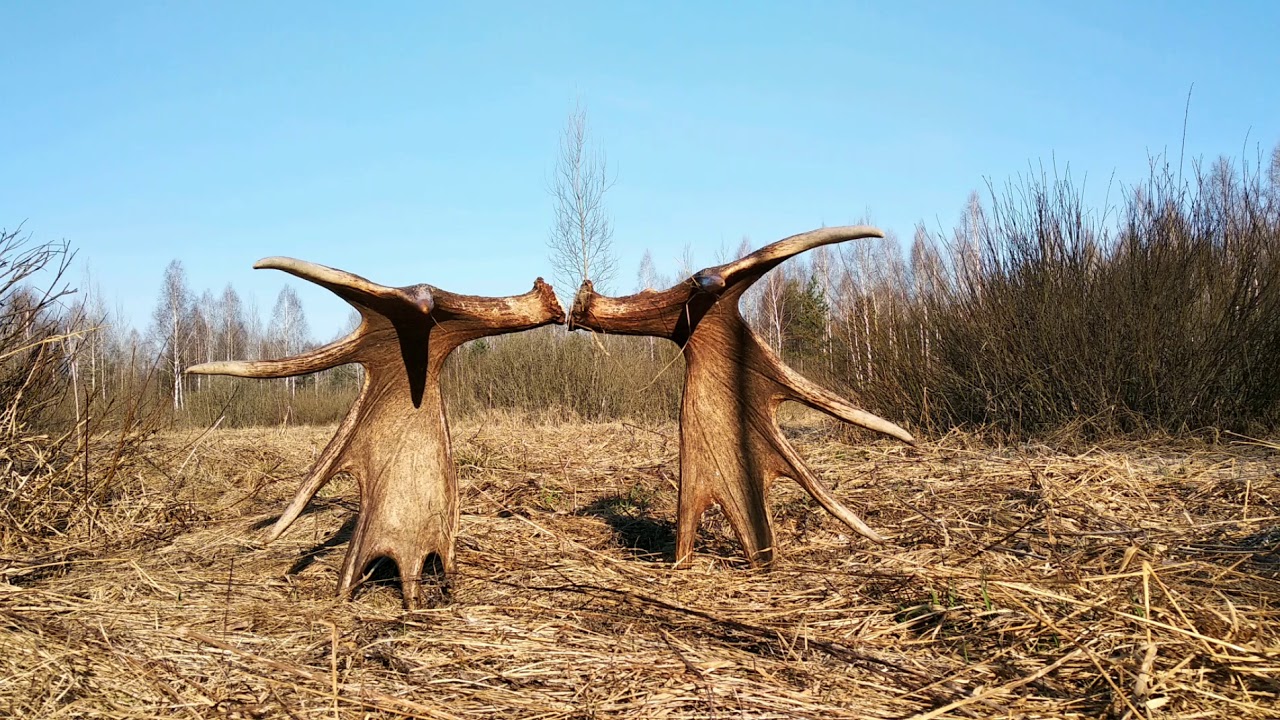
[395, 438]
[731, 448]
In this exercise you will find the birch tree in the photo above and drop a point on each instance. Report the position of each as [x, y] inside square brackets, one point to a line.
[773, 305]
[647, 279]
[749, 305]
[231, 325]
[647, 274]
[289, 329]
[823, 278]
[170, 326]
[202, 333]
[581, 237]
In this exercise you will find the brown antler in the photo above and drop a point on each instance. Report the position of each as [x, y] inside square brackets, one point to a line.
[731, 449]
[395, 438]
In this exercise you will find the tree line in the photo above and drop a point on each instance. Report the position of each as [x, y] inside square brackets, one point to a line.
[1035, 313]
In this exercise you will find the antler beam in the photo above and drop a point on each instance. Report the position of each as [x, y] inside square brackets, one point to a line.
[395, 438]
[731, 448]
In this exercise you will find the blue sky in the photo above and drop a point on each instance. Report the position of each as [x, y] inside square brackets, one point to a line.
[413, 142]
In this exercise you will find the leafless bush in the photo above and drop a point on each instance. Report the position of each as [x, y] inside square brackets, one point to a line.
[566, 376]
[58, 468]
[35, 486]
[30, 328]
[1039, 315]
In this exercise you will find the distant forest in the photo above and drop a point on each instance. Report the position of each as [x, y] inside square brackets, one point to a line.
[1034, 314]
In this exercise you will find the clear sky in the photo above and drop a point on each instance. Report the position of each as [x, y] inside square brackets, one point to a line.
[413, 142]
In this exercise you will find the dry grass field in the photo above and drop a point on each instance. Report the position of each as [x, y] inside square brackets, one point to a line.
[1126, 581]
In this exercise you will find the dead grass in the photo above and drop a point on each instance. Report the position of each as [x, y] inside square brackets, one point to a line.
[1122, 581]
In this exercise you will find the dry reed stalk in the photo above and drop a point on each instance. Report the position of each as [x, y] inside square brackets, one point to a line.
[1122, 580]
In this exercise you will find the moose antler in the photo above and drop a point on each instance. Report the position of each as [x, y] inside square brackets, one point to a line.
[731, 448]
[395, 438]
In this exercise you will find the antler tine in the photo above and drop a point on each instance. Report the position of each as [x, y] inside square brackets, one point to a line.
[513, 312]
[334, 354]
[351, 287]
[751, 267]
[803, 390]
[801, 473]
[359, 292]
[326, 466]
[659, 312]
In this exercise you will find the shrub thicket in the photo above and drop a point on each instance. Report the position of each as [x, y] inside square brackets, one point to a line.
[1041, 315]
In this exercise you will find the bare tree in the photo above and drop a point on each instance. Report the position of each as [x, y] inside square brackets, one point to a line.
[968, 244]
[77, 330]
[202, 333]
[1273, 171]
[684, 263]
[255, 333]
[289, 329]
[824, 278]
[170, 325]
[750, 303]
[858, 290]
[100, 338]
[86, 327]
[771, 308]
[928, 275]
[647, 274]
[581, 237]
[647, 279]
[231, 325]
